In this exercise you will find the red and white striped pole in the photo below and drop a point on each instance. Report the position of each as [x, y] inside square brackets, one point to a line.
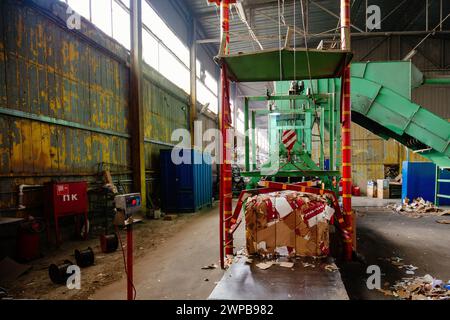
[346, 133]
[226, 238]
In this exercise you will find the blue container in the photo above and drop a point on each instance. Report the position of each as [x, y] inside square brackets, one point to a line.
[418, 180]
[326, 164]
[185, 187]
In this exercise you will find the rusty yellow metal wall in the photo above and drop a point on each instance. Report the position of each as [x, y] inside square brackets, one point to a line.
[50, 75]
[64, 103]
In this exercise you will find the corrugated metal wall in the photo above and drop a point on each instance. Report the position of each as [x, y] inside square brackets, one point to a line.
[64, 104]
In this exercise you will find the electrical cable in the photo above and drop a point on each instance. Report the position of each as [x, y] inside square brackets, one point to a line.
[309, 73]
[279, 39]
[125, 262]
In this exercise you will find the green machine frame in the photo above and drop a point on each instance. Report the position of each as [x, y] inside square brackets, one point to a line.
[297, 112]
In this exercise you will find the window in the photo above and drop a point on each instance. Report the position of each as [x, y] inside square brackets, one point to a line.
[121, 25]
[204, 96]
[207, 89]
[161, 48]
[173, 69]
[210, 82]
[150, 49]
[101, 15]
[151, 19]
[81, 7]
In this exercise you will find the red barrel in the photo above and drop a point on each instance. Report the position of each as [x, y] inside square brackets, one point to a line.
[356, 191]
[28, 240]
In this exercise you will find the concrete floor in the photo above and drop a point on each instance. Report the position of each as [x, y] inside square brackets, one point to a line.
[383, 234]
[173, 269]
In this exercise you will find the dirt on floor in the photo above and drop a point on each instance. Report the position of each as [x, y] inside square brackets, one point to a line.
[108, 267]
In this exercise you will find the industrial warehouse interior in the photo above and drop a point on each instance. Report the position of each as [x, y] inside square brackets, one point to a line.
[221, 150]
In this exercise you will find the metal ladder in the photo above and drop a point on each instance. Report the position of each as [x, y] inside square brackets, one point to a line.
[438, 180]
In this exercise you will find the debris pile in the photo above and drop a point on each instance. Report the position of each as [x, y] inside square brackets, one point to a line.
[420, 288]
[417, 208]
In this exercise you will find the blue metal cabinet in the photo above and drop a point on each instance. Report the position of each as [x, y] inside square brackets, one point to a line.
[418, 180]
[185, 187]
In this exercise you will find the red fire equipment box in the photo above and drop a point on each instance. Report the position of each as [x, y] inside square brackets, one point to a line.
[66, 199]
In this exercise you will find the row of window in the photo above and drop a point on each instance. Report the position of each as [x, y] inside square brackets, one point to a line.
[161, 48]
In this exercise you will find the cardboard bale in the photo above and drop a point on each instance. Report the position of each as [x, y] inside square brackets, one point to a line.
[304, 230]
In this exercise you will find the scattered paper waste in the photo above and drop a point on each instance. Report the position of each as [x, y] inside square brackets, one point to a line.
[264, 265]
[331, 267]
[417, 208]
[286, 264]
[306, 265]
[419, 288]
[443, 221]
[211, 266]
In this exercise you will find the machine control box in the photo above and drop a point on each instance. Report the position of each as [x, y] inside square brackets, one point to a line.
[128, 203]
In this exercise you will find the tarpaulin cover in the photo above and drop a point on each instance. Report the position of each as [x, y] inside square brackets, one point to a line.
[265, 65]
[296, 221]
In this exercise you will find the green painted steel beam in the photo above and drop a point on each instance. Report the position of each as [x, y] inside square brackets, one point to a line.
[283, 111]
[285, 64]
[437, 81]
[288, 97]
[293, 173]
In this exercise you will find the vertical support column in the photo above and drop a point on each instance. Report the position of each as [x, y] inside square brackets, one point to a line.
[253, 140]
[322, 138]
[247, 138]
[136, 101]
[346, 134]
[331, 128]
[436, 187]
[193, 79]
[225, 125]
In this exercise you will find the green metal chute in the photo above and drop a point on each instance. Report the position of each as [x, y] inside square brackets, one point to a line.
[265, 65]
[381, 99]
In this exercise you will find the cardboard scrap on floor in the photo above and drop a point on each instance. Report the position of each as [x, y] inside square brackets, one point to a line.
[211, 266]
[398, 262]
[264, 265]
[443, 221]
[288, 223]
[419, 288]
[286, 264]
[331, 267]
[417, 208]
